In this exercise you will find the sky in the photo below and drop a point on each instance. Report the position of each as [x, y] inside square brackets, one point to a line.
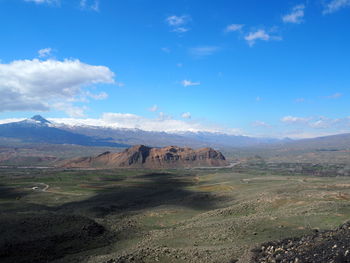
[244, 67]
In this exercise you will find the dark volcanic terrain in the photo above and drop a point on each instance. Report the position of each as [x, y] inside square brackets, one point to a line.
[141, 156]
[328, 246]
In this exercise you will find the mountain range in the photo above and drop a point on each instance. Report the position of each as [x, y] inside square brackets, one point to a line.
[39, 130]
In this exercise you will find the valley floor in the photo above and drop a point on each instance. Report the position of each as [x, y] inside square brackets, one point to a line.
[212, 215]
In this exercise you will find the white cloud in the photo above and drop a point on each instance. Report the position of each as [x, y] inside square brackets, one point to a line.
[320, 122]
[154, 108]
[186, 115]
[234, 27]
[44, 1]
[70, 109]
[335, 5]
[187, 83]
[292, 119]
[203, 51]
[178, 23]
[335, 96]
[260, 34]
[296, 16]
[177, 20]
[90, 5]
[100, 96]
[261, 124]
[39, 85]
[45, 52]
[181, 29]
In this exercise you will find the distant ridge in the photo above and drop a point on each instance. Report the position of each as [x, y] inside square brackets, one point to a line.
[39, 130]
[141, 156]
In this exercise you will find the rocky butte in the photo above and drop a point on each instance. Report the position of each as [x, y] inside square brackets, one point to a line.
[141, 156]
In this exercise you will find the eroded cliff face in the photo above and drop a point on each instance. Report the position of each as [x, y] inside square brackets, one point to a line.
[141, 156]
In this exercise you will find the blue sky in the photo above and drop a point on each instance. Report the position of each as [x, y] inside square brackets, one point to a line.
[259, 68]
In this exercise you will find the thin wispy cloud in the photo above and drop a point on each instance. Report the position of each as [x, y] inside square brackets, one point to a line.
[335, 96]
[293, 119]
[44, 1]
[188, 83]
[178, 24]
[45, 52]
[203, 51]
[335, 5]
[186, 115]
[154, 108]
[233, 28]
[254, 36]
[319, 122]
[296, 16]
[299, 100]
[100, 96]
[166, 49]
[90, 5]
[261, 124]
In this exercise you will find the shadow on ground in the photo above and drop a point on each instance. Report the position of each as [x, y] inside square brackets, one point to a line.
[49, 233]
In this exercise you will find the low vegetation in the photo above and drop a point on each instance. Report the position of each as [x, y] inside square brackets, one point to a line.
[192, 215]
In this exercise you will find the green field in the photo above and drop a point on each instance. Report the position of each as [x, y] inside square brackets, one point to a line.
[211, 215]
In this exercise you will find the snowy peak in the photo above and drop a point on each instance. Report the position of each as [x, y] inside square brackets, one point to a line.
[40, 119]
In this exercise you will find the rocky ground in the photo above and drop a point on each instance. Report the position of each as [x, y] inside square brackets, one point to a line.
[328, 246]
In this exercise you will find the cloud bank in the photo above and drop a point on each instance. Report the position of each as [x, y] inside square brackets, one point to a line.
[39, 85]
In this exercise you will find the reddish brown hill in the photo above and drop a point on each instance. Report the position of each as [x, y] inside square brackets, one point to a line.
[141, 156]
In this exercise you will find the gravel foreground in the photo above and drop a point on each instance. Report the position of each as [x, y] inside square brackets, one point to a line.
[322, 247]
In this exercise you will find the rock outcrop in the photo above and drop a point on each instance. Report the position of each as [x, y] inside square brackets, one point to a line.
[141, 156]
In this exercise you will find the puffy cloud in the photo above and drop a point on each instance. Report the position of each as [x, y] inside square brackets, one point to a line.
[260, 34]
[187, 83]
[186, 115]
[178, 23]
[296, 16]
[39, 85]
[335, 5]
[203, 51]
[234, 27]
